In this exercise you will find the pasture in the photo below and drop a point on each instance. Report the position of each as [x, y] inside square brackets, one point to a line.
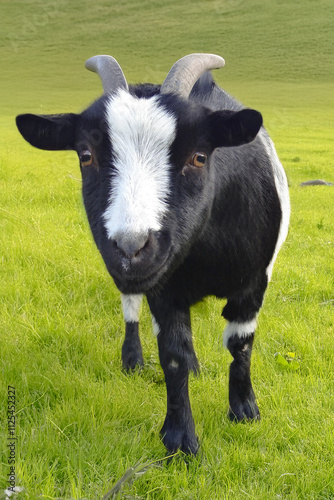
[80, 421]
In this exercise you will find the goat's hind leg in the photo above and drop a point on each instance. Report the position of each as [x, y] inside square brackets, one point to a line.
[132, 355]
[239, 334]
[241, 395]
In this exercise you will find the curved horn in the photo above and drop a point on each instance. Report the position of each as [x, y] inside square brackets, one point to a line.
[186, 71]
[109, 71]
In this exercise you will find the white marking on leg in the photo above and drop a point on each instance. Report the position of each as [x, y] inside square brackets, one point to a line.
[141, 133]
[155, 327]
[173, 364]
[131, 307]
[242, 330]
[282, 188]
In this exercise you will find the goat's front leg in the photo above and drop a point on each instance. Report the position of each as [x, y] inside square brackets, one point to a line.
[132, 355]
[177, 358]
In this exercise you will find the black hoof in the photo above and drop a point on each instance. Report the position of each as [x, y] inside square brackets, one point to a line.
[132, 354]
[175, 438]
[132, 359]
[244, 411]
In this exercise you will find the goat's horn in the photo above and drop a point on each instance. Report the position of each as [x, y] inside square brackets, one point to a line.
[109, 71]
[186, 71]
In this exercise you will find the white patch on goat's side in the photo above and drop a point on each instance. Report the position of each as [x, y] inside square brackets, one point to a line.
[155, 327]
[282, 188]
[131, 307]
[141, 133]
[242, 330]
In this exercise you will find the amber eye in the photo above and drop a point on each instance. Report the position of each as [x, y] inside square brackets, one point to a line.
[199, 159]
[86, 158]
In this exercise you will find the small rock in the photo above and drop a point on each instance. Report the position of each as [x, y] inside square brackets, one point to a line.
[317, 182]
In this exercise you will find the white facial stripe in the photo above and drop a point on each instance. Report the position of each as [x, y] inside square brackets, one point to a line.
[242, 330]
[131, 307]
[141, 133]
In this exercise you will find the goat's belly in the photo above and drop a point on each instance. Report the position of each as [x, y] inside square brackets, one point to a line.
[196, 282]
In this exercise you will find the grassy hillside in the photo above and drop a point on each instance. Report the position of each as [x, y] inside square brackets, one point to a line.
[45, 44]
[80, 421]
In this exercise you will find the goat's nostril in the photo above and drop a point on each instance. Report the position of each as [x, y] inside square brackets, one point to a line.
[132, 245]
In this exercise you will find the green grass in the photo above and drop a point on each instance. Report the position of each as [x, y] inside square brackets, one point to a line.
[81, 422]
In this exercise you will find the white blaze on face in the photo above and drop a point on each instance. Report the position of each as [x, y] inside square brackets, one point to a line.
[141, 133]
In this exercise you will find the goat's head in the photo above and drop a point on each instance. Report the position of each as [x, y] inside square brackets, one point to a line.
[146, 158]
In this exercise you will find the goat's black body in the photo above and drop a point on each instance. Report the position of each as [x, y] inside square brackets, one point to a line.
[219, 236]
[228, 257]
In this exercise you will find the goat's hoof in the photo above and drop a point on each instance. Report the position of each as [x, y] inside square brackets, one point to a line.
[132, 361]
[132, 354]
[244, 411]
[175, 438]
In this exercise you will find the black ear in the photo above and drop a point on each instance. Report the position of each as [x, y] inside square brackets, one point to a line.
[52, 132]
[234, 128]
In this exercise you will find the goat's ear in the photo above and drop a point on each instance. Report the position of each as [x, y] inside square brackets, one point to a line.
[51, 132]
[233, 128]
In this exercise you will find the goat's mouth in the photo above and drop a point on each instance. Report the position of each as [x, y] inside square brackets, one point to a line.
[129, 282]
[143, 270]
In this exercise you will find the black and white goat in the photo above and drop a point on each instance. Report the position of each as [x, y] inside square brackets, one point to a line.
[185, 197]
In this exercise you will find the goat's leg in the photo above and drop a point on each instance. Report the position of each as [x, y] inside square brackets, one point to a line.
[238, 338]
[241, 395]
[177, 358]
[132, 354]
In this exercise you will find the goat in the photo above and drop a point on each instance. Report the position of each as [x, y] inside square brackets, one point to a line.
[185, 197]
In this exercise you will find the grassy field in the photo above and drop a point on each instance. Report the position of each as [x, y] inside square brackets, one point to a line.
[81, 422]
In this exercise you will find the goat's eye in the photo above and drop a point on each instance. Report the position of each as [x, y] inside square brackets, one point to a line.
[199, 159]
[86, 158]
